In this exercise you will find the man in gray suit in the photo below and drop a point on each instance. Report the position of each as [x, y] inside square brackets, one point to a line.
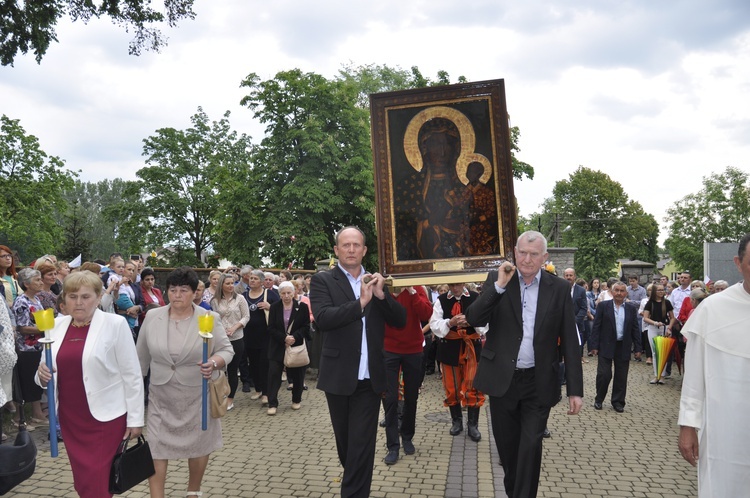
[529, 312]
[351, 308]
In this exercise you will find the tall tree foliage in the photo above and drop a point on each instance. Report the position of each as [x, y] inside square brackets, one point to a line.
[597, 217]
[312, 171]
[178, 189]
[98, 220]
[719, 212]
[32, 183]
[30, 25]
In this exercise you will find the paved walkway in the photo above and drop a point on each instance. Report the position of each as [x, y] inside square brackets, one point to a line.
[594, 454]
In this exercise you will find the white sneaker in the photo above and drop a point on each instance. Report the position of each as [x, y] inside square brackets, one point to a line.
[296, 406]
[255, 396]
[264, 400]
[272, 410]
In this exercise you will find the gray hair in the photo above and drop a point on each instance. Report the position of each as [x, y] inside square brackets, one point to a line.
[617, 283]
[721, 283]
[531, 236]
[26, 275]
[245, 270]
[258, 274]
[285, 284]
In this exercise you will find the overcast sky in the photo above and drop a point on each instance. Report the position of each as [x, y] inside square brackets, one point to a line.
[654, 93]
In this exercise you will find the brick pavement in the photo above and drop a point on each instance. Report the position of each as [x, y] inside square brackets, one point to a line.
[292, 454]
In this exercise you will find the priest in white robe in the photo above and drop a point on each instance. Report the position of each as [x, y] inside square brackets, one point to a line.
[715, 402]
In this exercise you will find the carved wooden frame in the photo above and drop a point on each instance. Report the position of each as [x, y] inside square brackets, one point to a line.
[478, 110]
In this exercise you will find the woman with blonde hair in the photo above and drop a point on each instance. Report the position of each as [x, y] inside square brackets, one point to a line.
[234, 313]
[213, 285]
[47, 297]
[98, 383]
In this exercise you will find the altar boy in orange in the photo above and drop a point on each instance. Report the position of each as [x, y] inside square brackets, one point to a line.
[459, 347]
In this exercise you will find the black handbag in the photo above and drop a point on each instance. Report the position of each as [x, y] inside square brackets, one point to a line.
[131, 466]
[17, 461]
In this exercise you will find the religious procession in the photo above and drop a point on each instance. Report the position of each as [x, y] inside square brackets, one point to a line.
[131, 365]
[372, 298]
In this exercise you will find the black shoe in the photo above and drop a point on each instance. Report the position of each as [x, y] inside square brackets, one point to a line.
[457, 426]
[391, 457]
[597, 405]
[472, 424]
[408, 446]
[429, 371]
[546, 433]
[382, 423]
[618, 408]
[246, 387]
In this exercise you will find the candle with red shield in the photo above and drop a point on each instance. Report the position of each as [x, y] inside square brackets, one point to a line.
[205, 327]
[45, 321]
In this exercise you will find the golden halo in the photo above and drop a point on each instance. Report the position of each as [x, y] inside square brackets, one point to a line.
[468, 141]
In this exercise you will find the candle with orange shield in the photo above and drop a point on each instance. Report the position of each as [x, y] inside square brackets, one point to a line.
[45, 321]
[205, 327]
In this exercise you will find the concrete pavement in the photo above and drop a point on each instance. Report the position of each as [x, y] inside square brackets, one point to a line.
[293, 454]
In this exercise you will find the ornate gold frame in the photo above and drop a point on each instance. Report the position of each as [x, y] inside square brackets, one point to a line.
[414, 237]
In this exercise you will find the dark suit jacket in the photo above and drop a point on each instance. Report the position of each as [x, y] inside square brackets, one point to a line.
[300, 330]
[580, 305]
[339, 317]
[604, 332]
[554, 320]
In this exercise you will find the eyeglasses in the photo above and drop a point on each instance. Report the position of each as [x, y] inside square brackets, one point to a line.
[6, 256]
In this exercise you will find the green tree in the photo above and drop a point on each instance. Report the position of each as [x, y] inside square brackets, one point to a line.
[719, 212]
[76, 238]
[312, 172]
[32, 183]
[176, 196]
[106, 220]
[30, 25]
[596, 216]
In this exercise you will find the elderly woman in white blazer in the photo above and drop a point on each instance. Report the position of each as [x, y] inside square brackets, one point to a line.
[169, 344]
[98, 383]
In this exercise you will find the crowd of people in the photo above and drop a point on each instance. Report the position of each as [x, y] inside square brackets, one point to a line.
[116, 327]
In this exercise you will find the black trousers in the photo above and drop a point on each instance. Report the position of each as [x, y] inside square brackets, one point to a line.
[355, 426]
[244, 364]
[239, 354]
[258, 363]
[411, 366]
[518, 422]
[604, 377]
[295, 376]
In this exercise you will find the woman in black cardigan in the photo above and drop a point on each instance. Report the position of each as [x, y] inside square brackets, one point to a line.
[288, 324]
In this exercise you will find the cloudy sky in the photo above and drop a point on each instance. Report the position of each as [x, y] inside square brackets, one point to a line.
[654, 93]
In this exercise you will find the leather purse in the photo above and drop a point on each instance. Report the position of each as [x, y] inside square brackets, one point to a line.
[296, 356]
[131, 466]
[17, 461]
[218, 394]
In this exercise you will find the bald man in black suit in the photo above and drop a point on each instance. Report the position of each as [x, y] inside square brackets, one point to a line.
[351, 308]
